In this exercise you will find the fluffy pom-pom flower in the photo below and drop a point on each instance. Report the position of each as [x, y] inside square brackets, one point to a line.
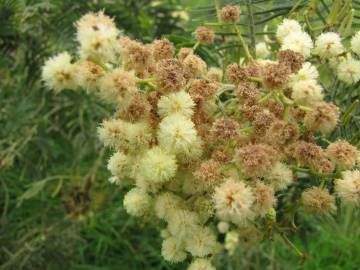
[342, 154]
[201, 264]
[328, 45]
[299, 42]
[59, 73]
[286, 28]
[323, 118]
[262, 50]
[157, 166]
[117, 86]
[204, 35]
[183, 223]
[307, 93]
[137, 202]
[355, 43]
[233, 201]
[97, 35]
[125, 135]
[264, 198]
[280, 176]
[118, 165]
[166, 203]
[179, 102]
[348, 70]
[202, 242]
[177, 133]
[318, 201]
[348, 188]
[173, 250]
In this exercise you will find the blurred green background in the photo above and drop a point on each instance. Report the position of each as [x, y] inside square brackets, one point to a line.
[58, 210]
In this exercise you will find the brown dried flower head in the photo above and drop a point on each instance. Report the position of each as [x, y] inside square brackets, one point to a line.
[257, 159]
[163, 49]
[208, 175]
[293, 60]
[236, 74]
[135, 54]
[170, 75]
[262, 121]
[343, 154]
[247, 92]
[204, 35]
[138, 108]
[194, 66]
[264, 198]
[281, 133]
[275, 76]
[230, 14]
[224, 129]
[184, 52]
[308, 153]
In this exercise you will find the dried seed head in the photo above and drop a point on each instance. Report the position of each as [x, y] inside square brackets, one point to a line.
[275, 106]
[264, 198]
[236, 74]
[201, 89]
[262, 121]
[281, 133]
[230, 14]
[343, 154]
[324, 166]
[221, 155]
[323, 118]
[194, 66]
[138, 108]
[307, 153]
[170, 75]
[249, 111]
[292, 59]
[318, 201]
[135, 54]
[224, 129]
[208, 175]
[204, 35]
[247, 92]
[163, 49]
[275, 76]
[257, 159]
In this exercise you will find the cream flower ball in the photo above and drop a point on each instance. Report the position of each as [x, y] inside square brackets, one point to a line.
[307, 72]
[233, 201]
[178, 102]
[299, 42]
[137, 202]
[307, 93]
[280, 177]
[157, 166]
[286, 28]
[348, 71]
[58, 72]
[117, 165]
[202, 242]
[173, 250]
[201, 264]
[348, 188]
[262, 50]
[328, 45]
[355, 43]
[176, 132]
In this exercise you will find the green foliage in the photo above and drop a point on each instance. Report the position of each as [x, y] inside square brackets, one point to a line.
[57, 210]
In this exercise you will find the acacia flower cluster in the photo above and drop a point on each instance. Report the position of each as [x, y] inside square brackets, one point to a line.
[209, 153]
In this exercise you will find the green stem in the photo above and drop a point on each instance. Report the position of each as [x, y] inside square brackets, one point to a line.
[291, 244]
[196, 45]
[248, 56]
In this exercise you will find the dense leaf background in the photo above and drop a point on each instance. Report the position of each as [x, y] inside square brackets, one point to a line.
[58, 210]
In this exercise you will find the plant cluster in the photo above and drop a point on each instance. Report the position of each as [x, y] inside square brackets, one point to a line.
[215, 156]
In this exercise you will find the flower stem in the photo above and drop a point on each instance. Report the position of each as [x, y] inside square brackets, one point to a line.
[248, 56]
